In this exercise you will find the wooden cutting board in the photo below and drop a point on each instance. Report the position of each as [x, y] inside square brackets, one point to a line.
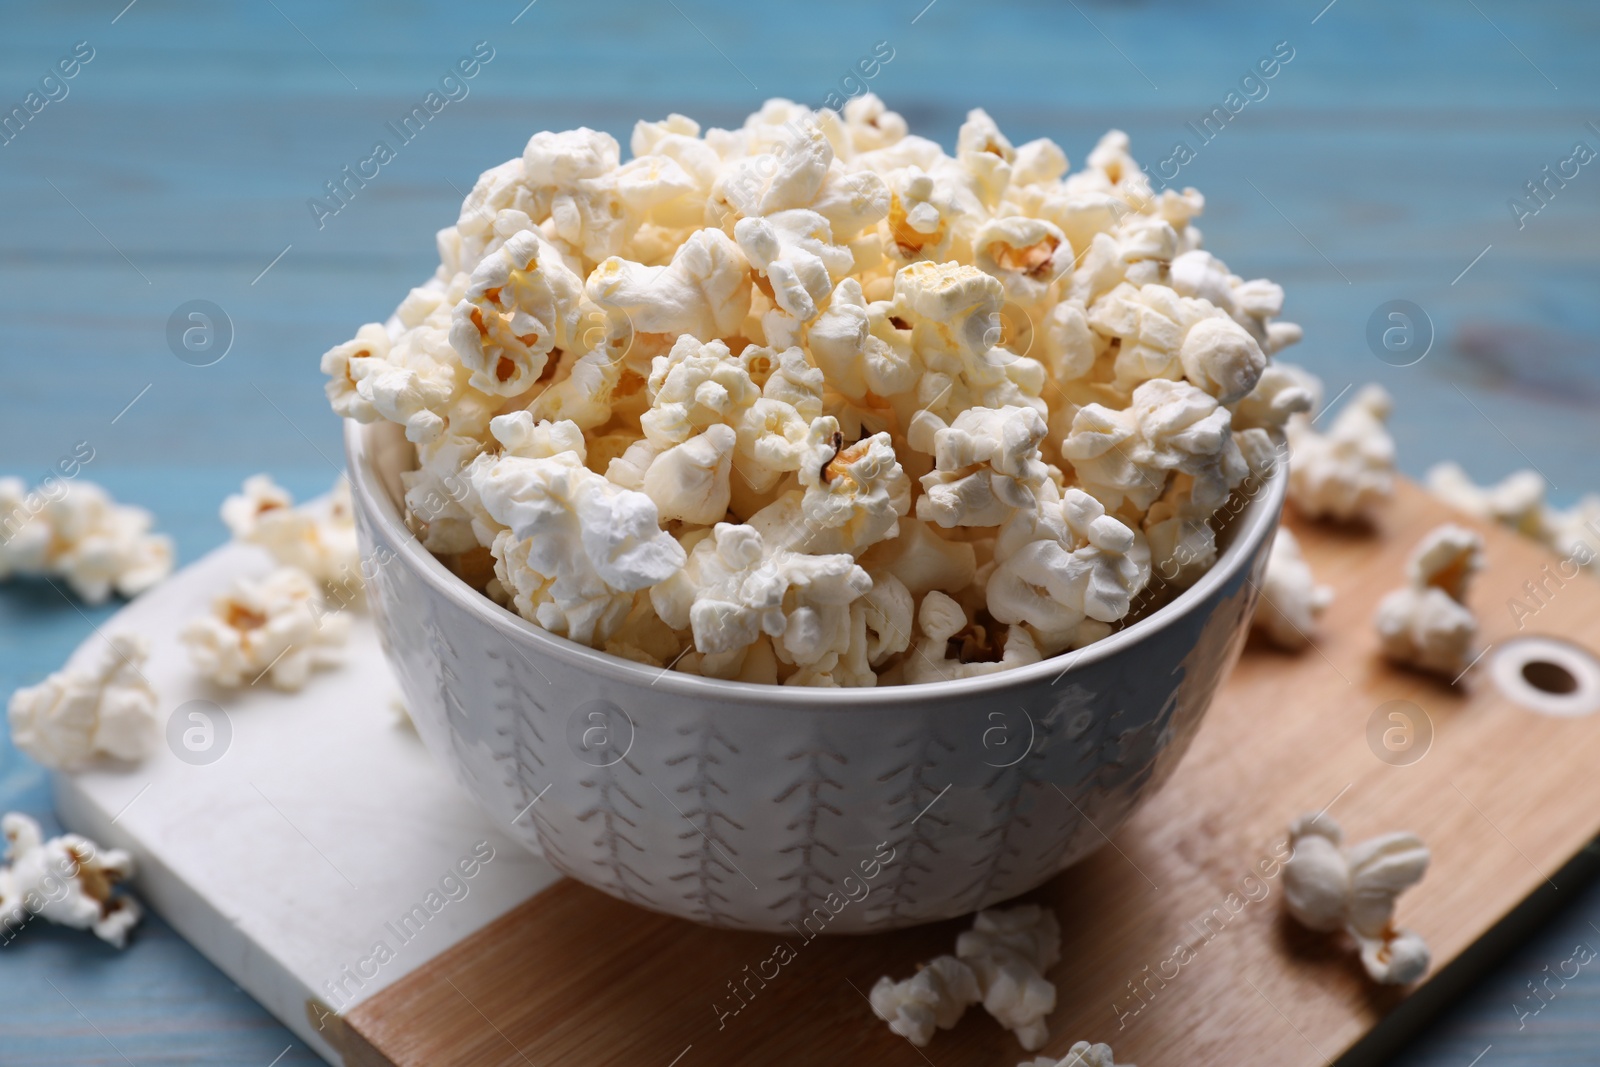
[1175, 949]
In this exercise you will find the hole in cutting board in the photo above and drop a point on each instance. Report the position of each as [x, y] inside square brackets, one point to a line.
[1547, 675]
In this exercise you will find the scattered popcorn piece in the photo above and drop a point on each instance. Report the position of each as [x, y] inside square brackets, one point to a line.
[936, 996]
[1575, 532]
[1426, 624]
[1327, 888]
[276, 626]
[1291, 599]
[106, 707]
[1517, 502]
[999, 963]
[890, 366]
[320, 540]
[68, 880]
[1009, 951]
[75, 531]
[1081, 1054]
[1347, 473]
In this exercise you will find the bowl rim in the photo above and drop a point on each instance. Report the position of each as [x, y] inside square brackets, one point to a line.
[1257, 520]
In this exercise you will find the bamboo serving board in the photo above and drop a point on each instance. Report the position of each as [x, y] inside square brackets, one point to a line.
[1175, 949]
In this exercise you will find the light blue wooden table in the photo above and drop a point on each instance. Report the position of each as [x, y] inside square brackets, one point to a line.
[180, 161]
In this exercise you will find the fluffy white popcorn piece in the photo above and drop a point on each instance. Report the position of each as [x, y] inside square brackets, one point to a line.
[1346, 473]
[1517, 502]
[696, 385]
[1169, 426]
[348, 364]
[1426, 624]
[575, 547]
[936, 996]
[77, 533]
[689, 481]
[986, 464]
[521, 305]
[1081, 1054]
[794, 252]
[854, 495]
[704, 291]
[1009, 951]
[320, 540]
[854, 358]
[277, 626]
[735, 586]
[1082, 564]
[1291, 599]
[870, 125]
[1164, 335]
[1282, 391]
[67, 880]
[1328, 888]
[106, 707]
[1252, 304]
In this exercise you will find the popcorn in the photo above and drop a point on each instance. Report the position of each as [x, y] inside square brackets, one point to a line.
[1027, 255]
[854, 495]
[736, 586]
[81, 536]
[812, 401]
[1347, 473]
[1328, 888]
[105, 707]
[68, 880]
[794, 252]
[704, 291]
[936, 996]
[274, 627]
[1081, 564]
[1169, 426]
[951, 647]
[1081, 1054]
[1517, 502]
[999, 963]
[521, 306]
[319, 541]
[1009, 951]
[1291, 599]
[1426, 624]
[576, 547]
[986, 465]
[1164, 335]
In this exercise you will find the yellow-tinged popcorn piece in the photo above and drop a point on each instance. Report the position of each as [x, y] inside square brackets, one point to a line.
[277, 627]
[814, 401]
[1426, 623]
[67, 880]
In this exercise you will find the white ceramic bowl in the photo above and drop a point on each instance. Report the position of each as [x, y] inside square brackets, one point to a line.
[787, 808]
